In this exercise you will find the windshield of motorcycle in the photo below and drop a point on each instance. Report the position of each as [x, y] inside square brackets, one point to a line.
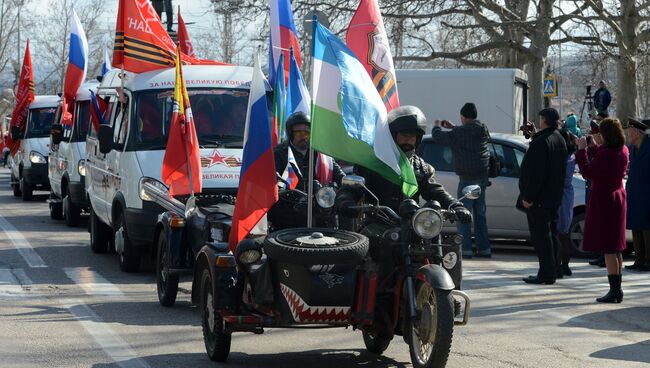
[219, 116]
[40, 122]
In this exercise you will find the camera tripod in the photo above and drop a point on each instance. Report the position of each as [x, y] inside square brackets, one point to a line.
[589, 104]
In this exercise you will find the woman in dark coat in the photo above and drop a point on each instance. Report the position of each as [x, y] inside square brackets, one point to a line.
[606, 206]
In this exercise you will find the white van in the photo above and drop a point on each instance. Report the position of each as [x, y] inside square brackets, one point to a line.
[66, 167]
[129, 149]
[29, 163]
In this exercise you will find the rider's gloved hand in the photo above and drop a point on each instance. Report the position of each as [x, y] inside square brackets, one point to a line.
[463, 215]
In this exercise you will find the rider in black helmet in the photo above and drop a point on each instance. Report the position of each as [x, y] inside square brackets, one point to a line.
[407, 124]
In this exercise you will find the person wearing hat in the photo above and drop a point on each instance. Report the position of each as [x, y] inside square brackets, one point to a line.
[602, 97]
[638, 193]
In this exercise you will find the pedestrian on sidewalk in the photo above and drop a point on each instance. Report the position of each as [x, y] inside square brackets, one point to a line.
[565, 214]
[541, 186]
[594, 133]
[638, 192]
[469, 145]
[604, 230]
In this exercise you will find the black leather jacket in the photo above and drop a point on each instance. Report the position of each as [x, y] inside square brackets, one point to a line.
[282, 156]
[391, 195]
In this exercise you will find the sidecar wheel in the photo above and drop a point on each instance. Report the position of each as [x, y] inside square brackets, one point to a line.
[374, 343]
[217, 341]
[167, 283]
[298, 246]
[430, 341]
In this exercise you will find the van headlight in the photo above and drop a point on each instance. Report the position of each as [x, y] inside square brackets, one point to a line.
[37, 158]
[325, 197]
[427, 223]
[81, 167]
[144, 195]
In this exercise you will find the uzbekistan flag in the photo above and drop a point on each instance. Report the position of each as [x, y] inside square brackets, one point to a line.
[24, 96]
[258, 189]
[283, 37]
[279, 101]
[77, 66]
[349, 117]
[183, 36]
[182, 142]
[366, 37]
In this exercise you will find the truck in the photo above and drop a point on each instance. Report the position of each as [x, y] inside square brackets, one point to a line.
[500, 95]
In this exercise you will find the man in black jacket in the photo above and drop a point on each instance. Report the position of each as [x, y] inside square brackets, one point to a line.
[541, 187]
[602, 97]
[469, 144]
[407, 127]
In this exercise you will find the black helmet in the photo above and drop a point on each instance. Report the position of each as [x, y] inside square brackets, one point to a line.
[297, 117]
[407, 118]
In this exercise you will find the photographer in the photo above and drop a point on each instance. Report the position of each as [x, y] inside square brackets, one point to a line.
[541, 186]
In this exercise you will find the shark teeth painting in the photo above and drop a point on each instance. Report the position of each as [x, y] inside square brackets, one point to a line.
[303, 312]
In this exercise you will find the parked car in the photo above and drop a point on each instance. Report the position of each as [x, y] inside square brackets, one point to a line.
[67, 161]
[503, 219]
[29, 163]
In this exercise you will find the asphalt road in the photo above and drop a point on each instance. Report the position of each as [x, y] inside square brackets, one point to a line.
[63, 306]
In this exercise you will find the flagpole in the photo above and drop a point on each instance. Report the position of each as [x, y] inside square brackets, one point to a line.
[187, 151]
[310, 187]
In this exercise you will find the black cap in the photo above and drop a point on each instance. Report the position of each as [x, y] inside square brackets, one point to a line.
[469, 111]
[642, 125]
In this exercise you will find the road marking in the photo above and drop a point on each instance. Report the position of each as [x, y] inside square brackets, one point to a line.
[92, 282]
[112, 344]
[21, 244]
[9, 284]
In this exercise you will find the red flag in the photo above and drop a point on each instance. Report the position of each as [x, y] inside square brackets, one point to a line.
[182, 142]
[24, 96]
[366, 37]
[141, 42]
[183, 37]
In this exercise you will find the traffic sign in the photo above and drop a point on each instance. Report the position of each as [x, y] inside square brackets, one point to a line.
[550, 87]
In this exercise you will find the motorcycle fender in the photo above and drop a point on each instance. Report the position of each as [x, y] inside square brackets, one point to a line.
[174, 239]
[436, 276]
[226, 286]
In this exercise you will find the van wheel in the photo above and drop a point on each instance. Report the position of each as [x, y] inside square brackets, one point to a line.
[71, 212]
[56, 208]
[129, 256]
[100, 234]
[26, 190]
[15, 186]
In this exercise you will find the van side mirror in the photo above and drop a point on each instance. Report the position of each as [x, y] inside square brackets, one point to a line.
[105, 137]
[57, 133]
[16, 134]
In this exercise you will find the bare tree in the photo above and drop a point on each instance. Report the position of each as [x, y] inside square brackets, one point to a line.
[11, 46]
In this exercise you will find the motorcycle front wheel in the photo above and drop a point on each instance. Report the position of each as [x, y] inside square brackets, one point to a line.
[430, 338]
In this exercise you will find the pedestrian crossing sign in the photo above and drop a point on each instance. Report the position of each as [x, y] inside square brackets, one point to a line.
[550, 87]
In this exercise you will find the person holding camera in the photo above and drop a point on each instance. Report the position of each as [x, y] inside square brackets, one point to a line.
[604, 230]
[638, 195]
[541, 186]
[469, 144]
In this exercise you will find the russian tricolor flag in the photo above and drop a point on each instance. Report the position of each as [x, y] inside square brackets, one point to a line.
[283, 37]
[291, 172]
[77, 58]
[258, 189]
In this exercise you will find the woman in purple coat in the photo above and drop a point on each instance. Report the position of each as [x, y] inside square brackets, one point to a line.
[606, 206]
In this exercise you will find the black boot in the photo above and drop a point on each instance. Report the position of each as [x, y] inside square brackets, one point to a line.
[615, 293]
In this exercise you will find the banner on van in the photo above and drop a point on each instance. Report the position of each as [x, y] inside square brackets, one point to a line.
[141, 42]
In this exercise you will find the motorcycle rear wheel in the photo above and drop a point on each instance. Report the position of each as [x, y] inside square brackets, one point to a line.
[430, 341]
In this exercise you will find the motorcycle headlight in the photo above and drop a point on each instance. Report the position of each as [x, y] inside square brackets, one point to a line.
[427, 223]
[325, 197]
[81, 167]
[153, 182]
[37, 158]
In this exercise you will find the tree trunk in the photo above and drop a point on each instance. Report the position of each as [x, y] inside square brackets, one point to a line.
[627, 101]
[535, 71]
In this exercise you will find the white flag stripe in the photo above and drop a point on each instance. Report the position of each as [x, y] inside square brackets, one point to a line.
[323, 87]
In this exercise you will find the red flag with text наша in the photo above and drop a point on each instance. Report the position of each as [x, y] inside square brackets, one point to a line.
[366, 37]
[24, 96]
[141, 42]
[183, 36]
[182, 143]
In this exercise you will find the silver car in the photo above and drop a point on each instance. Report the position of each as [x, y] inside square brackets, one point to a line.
[503, 219]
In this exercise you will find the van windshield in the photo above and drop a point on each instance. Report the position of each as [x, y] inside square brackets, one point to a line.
[83, 120]
[219, 115]
[40, 122]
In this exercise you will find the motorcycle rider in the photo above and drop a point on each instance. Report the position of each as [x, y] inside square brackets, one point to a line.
[283, 213]
[407, 124]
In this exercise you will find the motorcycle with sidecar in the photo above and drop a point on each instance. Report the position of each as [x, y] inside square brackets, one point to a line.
[393, 282]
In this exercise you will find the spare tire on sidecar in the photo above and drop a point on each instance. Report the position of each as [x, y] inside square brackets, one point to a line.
[315, 273]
